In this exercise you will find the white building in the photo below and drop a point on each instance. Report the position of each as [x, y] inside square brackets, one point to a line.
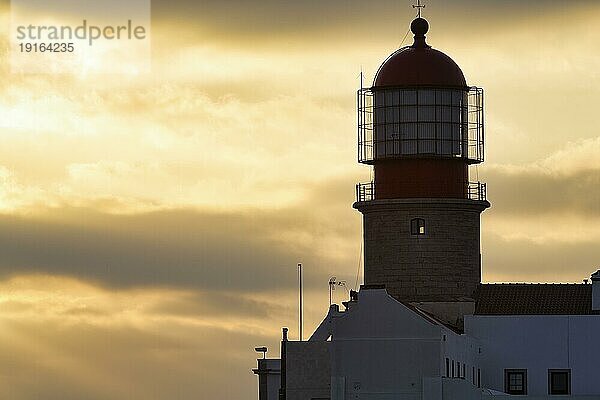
[424, 327]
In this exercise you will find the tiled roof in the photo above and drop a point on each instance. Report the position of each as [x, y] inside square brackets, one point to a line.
[533, 299]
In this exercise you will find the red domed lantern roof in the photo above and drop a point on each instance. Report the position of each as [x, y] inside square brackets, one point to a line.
[419, 65]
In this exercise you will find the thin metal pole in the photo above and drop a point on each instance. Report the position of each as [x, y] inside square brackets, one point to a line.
[361, 79]
[300, 295]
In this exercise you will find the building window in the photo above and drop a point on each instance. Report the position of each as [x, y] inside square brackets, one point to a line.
[447, 368]
[559, 381]
[417, 226]
[515, 381]
[478, 378]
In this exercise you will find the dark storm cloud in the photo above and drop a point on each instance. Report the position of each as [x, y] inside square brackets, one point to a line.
[178, 248]
[213, 303]
[237, 251]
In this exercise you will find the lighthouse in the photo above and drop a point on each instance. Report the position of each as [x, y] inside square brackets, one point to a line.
[421, 128]
[423, 326]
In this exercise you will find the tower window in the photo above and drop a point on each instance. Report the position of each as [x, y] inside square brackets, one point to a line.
[417, 226]
[559, 381]
[515, 381]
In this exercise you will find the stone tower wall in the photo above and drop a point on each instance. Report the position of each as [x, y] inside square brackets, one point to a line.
[444, 264]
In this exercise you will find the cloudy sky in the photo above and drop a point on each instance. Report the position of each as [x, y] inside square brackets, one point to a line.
[150, 224]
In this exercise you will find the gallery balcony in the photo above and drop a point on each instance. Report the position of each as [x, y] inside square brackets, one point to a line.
[469, 190]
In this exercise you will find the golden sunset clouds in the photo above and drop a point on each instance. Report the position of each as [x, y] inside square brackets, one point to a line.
[151, 223]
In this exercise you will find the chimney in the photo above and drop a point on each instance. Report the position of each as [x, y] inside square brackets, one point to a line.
[596, 292]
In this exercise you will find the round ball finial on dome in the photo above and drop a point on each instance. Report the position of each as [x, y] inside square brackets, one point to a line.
[419, 26]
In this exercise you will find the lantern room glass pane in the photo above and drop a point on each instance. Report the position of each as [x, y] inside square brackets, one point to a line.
[427, 113]
[408, 113]
[409, 97]
[427, 96]
[423, 121]
[391, 123]
[443, 97]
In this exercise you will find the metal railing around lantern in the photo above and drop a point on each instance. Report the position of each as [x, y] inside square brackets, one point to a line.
[410, 122]
[473, 191]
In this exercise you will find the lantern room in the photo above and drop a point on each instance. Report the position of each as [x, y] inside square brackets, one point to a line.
[420, 126]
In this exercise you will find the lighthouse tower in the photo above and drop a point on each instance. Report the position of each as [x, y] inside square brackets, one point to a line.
[421, 128]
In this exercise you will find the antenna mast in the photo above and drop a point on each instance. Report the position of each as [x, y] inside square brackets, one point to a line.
[331, 289]
[300, 298]
[333, 282]
[362, 77]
